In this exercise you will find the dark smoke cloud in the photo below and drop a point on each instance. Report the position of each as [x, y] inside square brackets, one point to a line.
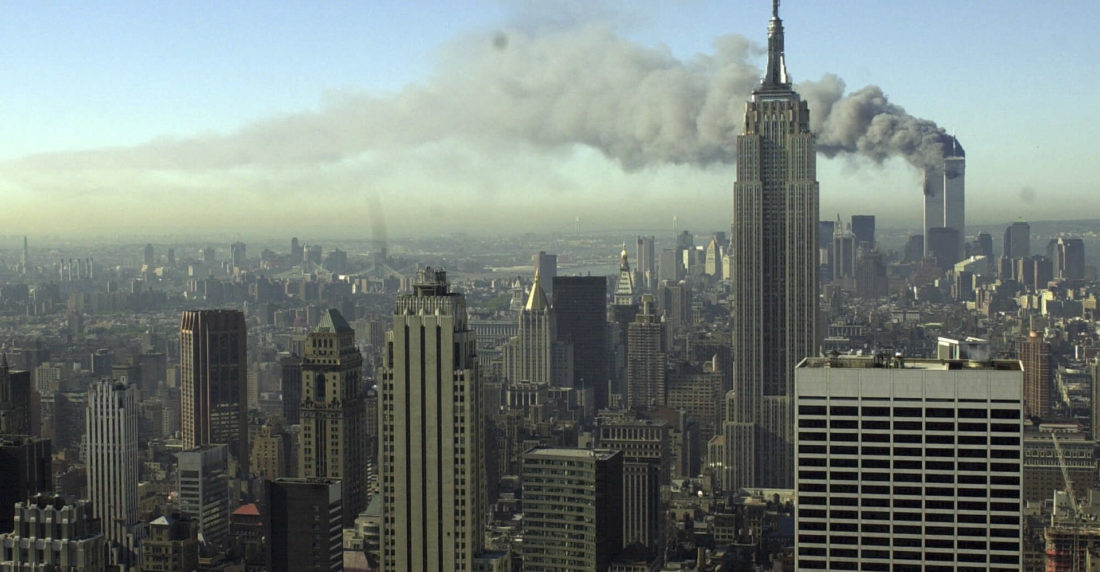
[866, 123]
[585, 85]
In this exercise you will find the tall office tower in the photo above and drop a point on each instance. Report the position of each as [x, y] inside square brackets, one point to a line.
[624, 307]
[25, 261]
[290, 371]
[111, 443]
[872, 280]
[171, 258]
[774, 273]
[825, 231]
[1038, 375]
[572, 509]
[25, 470]
[15, 400]
[333, 416]
[844, 252]
[670, 267]
[148, 259]
[580, 308]
[296, 251]
[908, 464]
[433, 483]
[646, 361]
[51, 533]
[1017, 241]
[945, 194]
[1069, 259]
[302, 521]
[237, 254]
[203, 485]
[213, 378]
[1094, 427]
[983, 245]
[546, 265]
[942, 244]
[646, 448]
[863, 227]
[647, 264]
[208, 255]
[529, 358]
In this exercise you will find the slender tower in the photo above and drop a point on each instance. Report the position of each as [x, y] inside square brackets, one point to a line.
[774, 274]
[333, 418]
[111, 441]
[433, 469]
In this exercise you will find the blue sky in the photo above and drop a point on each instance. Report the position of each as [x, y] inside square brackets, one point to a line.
[100, 100]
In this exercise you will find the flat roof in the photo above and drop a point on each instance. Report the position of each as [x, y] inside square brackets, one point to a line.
[891, 362]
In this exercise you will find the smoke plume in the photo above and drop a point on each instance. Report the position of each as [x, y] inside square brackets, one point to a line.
[586, 85]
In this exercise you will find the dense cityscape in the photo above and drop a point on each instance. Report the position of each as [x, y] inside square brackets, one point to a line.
[798, 390]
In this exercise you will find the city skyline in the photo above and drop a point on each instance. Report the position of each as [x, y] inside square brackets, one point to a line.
[271, 106]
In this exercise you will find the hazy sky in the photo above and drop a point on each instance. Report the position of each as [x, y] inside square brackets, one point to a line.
[333, 118]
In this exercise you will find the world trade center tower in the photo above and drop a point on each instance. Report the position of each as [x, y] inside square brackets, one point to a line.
[774, 273]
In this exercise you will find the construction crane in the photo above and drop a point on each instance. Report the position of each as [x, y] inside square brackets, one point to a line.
[1072, 502]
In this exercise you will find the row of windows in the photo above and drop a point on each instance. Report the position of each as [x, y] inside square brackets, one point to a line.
[1011, 520]
[899, 425]
[903, 542]
[883, 411]
[915, 464]
[806, 437]
[870, 528]
[1008, 480]
[1009, 562]
[850, 462]
[928, 504]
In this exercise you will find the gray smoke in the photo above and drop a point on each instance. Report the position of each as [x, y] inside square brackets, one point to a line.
[866, 123]
[585, 85]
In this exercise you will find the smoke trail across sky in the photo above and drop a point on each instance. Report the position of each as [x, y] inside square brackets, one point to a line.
[587, 85]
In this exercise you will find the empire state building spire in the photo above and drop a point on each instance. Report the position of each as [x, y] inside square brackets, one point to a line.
[776, 74]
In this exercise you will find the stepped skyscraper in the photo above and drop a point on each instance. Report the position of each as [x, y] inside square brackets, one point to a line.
[774, 274]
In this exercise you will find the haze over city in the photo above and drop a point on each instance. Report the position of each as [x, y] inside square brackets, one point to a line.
[129, 118]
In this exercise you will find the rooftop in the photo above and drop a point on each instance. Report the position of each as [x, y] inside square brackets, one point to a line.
[896, 362]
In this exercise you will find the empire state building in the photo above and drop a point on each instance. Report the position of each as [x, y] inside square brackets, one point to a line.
[774, 274]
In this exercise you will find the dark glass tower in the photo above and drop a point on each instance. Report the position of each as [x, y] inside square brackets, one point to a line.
[580, 307]
[774, 274]
[213, 393]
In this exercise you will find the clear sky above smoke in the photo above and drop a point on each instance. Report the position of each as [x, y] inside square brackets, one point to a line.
[323, 118]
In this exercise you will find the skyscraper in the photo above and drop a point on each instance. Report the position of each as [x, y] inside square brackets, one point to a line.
[15, 400]
[546, 265]
[1069, 258]
[647, 264]
[1017, 241]
[646, 364]
[909, 464]
[572, 509]
[432, 457]
[863, 226]
[774, 273]
[203, 479]
[1038, 375]
[529, 356]
[111, 441]
[945, 194]
[580, 308]
[302, 523]
[213, 378]
[25, 470]
[333, 417]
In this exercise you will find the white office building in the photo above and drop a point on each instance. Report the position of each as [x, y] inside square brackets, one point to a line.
[908, 464]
